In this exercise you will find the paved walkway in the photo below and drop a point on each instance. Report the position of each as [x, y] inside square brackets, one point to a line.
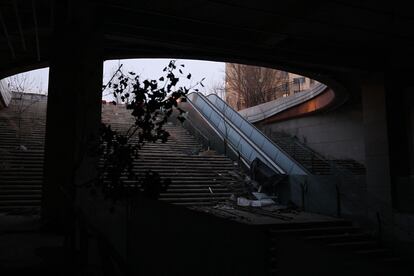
[26, 248]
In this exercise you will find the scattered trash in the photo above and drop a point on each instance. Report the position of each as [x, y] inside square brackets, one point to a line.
[259, 195]
[241, 201]
[235, 175]
[268, 180]
[23, 148]
[207, 152]
[262, 202]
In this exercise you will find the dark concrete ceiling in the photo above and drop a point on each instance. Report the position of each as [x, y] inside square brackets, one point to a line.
[299, 35]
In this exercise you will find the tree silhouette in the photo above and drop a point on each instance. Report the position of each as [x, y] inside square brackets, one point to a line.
[151, 103]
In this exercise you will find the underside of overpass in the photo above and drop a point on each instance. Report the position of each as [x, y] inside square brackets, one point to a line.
[361, 49]
[318, 38]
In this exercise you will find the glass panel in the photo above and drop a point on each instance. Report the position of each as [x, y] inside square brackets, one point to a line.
[284, 162]
[257, 138]
[205, 109]
[228, 111]
[254, 155]
[233, 136]
[246, 128]
[219, 105]
[245, 148]
[222, 128]
[215, 119]
[268, 148]
[237, 121]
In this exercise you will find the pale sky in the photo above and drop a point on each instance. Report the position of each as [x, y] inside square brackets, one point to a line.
[213, 72]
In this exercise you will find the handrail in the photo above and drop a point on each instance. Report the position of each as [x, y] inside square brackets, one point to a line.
[315, 155]
[293, 141]
[241, 156]
[269, 148]
[197, 130]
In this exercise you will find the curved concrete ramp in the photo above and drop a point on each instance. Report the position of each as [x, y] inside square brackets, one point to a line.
[298, 104]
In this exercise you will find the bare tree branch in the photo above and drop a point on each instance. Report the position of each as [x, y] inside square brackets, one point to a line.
[248, 86]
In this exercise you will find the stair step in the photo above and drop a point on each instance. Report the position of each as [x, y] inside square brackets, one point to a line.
[312, 225]
[20, 202]
[317, 230]
[193, 199]
[193, 176]
[361, 245]
[174, 194]
[340, 237]
[374, 252]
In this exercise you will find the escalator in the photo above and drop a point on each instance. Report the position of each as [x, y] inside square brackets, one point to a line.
[245, 141]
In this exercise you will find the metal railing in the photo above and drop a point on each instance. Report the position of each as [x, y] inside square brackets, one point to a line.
[340, 192]
[301, 153]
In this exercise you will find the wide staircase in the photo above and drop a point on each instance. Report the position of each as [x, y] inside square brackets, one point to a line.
[198, 177]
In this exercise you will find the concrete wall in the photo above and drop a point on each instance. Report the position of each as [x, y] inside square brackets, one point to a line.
[165, 239]
[5, 94]
[337, 134]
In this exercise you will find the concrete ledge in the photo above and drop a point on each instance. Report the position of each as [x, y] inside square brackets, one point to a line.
[164, 239]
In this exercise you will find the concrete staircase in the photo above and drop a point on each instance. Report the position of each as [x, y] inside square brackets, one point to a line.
[313, 162]
[328, 246]
[22, 129]
[197, 179]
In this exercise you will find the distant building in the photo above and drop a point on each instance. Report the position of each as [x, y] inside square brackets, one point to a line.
[248, 86]
[298, 83]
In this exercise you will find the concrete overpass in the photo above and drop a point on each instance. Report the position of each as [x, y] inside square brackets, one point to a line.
[361, 49]
[320, 38]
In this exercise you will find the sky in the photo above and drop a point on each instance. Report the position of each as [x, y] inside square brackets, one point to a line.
[213, 72]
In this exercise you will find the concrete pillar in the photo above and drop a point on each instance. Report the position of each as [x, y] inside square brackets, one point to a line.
[74, 107]
[377, 158]
[380, 163]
